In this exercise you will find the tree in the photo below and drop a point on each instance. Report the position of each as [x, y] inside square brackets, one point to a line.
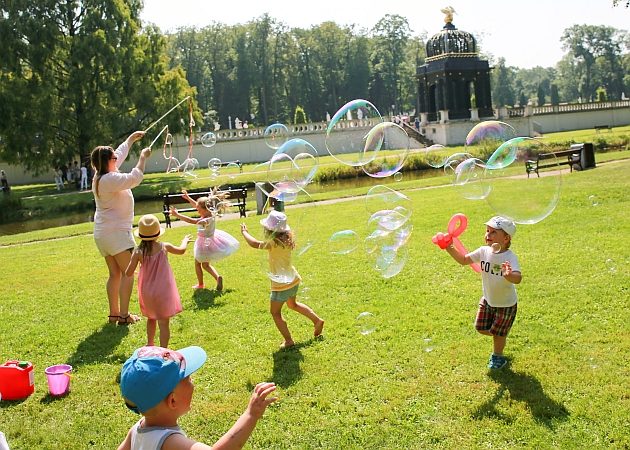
[540, 94]
[555, 98]
[299, 116]
[391, 34]
[503, 93]
[597, 51]
[79, 74]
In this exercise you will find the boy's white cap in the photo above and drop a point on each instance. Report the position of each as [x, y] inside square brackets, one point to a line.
[501, 223]
[276, 221]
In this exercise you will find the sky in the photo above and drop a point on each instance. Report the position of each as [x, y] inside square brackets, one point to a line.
[526, 33]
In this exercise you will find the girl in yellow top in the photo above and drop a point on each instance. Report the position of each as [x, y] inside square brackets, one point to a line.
[285, 280]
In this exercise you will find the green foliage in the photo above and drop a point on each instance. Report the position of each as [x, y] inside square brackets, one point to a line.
[299, 116]
[540, 94]
[601, 94]
[555, 99]
[418, 381]
[80, 75]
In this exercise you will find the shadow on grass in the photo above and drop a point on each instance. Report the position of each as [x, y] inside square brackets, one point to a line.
[523, 388]
[206, 298]
[286, 363]
[100, 345]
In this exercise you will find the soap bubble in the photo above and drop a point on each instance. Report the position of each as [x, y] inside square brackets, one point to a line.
[343, 242]
[398, 176]
[469, 179]
[513, 194]
[381, 197]
[389, 144]
[485, 137]
[348, 130]
[276, 135]
[366, 323]
[209, 139]
[593, 200]
[293, 166]
[436, 155]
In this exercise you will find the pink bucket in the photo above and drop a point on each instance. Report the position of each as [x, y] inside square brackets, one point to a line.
[58, 379]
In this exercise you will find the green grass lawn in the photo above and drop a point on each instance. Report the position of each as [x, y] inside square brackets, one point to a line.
[418, 381]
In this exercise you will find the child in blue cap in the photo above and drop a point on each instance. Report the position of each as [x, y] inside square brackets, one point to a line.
[155, 382]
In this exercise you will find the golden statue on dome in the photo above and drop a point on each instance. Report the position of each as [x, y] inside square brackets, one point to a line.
[449, 10]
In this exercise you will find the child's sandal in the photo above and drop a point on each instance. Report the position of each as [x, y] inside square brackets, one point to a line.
[129, 319]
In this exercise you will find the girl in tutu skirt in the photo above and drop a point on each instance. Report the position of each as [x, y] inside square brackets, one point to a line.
[211, 244]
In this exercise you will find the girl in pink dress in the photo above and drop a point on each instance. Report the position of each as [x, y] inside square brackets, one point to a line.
[159, 298]
[211, 244]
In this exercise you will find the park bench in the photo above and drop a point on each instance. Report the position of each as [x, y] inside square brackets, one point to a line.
[236, 197]
[599, 128]
[571, 157]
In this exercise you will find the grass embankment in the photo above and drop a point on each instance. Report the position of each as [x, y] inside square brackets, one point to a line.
[418, 381]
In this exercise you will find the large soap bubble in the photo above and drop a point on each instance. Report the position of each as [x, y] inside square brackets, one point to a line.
[485, 137]
[347, 132]
[436, 155]
[469, 179]
[293, 166]
[276, 135]
[513, 193]
[381, 197]
[343, 242]
[390, 145]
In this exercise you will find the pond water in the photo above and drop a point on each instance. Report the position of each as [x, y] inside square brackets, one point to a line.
[155, 206]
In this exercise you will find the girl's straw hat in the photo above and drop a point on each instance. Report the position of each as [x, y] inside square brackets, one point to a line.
[275, 221]
[149, 228]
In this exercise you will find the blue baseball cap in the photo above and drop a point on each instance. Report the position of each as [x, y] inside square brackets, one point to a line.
[151, 373]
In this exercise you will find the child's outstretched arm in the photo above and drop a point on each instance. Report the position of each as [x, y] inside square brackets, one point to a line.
[242, 429]
[509, 274]
[187, 198]
[251, 240]
[464, 260]
[173, 211]
[177, 250]
[236, 437]
[133, 263]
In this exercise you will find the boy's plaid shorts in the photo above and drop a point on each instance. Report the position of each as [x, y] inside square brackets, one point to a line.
[497, 321]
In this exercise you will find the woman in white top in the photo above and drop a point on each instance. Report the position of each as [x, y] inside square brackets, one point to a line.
[113, 220]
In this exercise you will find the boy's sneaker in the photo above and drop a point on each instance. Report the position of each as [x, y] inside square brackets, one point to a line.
[497, 361]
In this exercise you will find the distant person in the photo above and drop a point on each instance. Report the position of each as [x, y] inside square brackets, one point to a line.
[157, 290]
[211, 244]
[156, 382]
[64, 173]
[285, 280]
[416, 123]
[70, 174]
[76, 175]
[84, 178]
[500, 271]
[5, 182]
[113, 220]
[58, 175]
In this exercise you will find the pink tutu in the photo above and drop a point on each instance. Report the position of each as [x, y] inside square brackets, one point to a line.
[215, 247]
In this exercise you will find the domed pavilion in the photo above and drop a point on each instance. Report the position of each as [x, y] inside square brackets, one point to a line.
[453, 79]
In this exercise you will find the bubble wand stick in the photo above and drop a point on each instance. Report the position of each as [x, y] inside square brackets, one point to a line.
[167, 113]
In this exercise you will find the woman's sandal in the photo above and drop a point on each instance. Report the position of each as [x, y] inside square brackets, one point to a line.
[128, 319]
[113, 319]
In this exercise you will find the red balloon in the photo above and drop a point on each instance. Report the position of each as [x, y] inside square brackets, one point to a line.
[456, 226]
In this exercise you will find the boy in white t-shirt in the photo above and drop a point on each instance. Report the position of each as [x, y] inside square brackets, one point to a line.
[500, 271]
